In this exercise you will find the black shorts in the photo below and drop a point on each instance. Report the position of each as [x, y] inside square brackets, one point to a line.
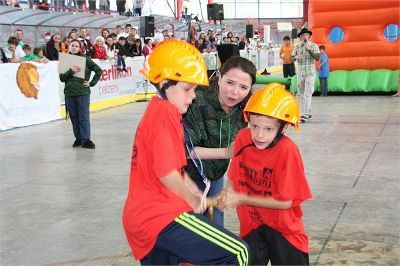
[267, 244]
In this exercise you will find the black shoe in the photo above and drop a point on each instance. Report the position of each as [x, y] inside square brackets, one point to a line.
[308, 116]
[77, 143]
[88, 145]
[265, 72]
[119, 69]
[124, 69]
[302, 120]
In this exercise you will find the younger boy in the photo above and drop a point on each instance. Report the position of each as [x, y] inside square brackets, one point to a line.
[122, 53]
[32, 56]
[323, 71]
[161, 216]
[266, 181]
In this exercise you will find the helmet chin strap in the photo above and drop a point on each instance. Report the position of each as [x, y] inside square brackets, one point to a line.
[279, 134]
[163, 89]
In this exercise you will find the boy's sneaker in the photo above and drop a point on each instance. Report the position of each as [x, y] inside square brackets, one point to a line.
[124, 69]
[308, 116]
[77, 143]
[302, 120]
[119, 68]
[88, 145]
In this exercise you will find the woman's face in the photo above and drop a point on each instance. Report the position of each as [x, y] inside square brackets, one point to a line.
[104, 34]
[110, 41]
[57, 38]
[234, 86]
[75, 47]
[99, 43]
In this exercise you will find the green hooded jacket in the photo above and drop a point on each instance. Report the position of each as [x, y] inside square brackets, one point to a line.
[209, 126]
[74, 86]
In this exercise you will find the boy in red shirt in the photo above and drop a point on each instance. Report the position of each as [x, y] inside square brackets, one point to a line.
[267, 182]
[161, 216]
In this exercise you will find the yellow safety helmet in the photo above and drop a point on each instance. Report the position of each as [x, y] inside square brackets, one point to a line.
[176, 60]
[274, 101]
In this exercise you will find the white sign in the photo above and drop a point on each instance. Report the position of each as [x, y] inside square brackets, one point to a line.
[68, 61]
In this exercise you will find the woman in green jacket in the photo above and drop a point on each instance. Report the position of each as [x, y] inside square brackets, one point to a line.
[77, 97]
[212, 122]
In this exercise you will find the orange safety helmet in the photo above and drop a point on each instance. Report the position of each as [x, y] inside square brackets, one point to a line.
[176, 60]
[274, 101]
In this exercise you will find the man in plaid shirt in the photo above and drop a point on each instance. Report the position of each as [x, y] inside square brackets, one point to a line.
[305, 53]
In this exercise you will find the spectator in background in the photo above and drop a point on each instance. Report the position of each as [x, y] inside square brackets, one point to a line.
[285, 54]
[87, 47]
[99, 50]
[80, 5]
[104, 5]
[3, 58]
[110, 48]
[53, 47]
[130, 46]
[138, 48]
[105, 33]
[43, 5]
[31, 56]
[65, 44]
[12, 51]
[134, 32]
[121, 54]
[39, 52]
[138, 8]
[121, 7]
[126, 32]
[323, 70]
[19, 34]
[92, 6]
[118, 29]
[147, 49]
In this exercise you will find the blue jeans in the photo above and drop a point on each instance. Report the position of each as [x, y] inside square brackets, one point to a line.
[121, 62]
[78, 109]
[324, 86]
[215, 189]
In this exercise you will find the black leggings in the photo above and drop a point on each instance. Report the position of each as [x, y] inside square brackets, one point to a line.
[267, 244]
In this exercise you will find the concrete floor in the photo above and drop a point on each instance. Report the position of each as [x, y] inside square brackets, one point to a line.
[62, 206]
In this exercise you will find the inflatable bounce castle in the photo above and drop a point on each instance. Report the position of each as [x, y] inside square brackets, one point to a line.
[362, 42]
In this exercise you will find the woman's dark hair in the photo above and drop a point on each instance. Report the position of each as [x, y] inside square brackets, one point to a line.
[75, 40]
[242, 64]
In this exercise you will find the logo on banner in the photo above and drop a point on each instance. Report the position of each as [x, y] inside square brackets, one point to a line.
[28, 80]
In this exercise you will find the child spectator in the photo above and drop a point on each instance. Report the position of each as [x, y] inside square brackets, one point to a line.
[31, 56]
[99, 50]
[266, 180]
[13, 52]
[161, 216]
[121, 54]
[323, 71]
[147, 47]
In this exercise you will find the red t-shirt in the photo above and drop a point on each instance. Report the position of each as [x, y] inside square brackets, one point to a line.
[158, 149]
[277, 172]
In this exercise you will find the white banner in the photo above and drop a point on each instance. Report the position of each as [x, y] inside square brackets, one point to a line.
[114, 83]
[18, 110]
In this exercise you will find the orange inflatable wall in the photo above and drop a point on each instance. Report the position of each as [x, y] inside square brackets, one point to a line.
[364, 45]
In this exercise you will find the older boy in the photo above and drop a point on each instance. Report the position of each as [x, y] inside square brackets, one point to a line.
[161, 217]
